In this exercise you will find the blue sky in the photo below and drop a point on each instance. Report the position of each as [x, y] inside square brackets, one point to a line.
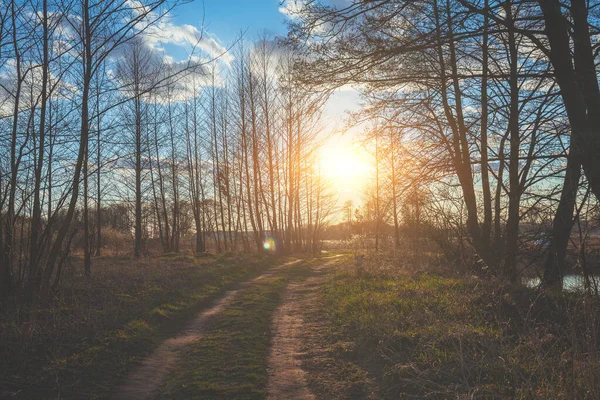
[222, 21]
[225, 19]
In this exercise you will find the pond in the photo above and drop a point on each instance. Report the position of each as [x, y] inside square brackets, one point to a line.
[572, 283]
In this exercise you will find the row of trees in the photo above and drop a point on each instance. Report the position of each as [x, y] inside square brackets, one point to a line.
[490, 107]
[96, 119]
[239, 154]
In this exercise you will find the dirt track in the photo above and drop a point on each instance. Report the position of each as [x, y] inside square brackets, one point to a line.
[286, 379]
[143, 382]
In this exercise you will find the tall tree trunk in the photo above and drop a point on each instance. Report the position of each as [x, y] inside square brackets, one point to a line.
[256, 164]
[514, 196]
[197, 182]
[8, 251]
[377, 218]
[216, 169]
[83, 141]
[270, 155]
[459, 143]
[154, 194]
[36, 218]
[582, 102]
[291, 177]
[137, 251]
[161, 185]
[175, 183]
[87, 260]
[392, 150]
[485, 176]
[562, 224]
[581, 96]
[98, 175]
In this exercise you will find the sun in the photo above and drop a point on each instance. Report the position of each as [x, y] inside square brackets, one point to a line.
[346, 166]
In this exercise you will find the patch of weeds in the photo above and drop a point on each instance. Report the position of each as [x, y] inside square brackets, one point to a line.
[332, 371]
[417, 334]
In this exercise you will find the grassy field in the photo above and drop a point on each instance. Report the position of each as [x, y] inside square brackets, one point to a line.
[386, 331]
[81, 342]
[439, 334]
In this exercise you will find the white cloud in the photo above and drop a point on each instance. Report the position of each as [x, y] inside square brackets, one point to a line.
[164, 76]
[188, 37]
[292, 8]
[181, 49]
[31, 87]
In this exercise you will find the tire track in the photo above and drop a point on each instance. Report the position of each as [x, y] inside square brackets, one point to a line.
[144, 380]
[287, 380]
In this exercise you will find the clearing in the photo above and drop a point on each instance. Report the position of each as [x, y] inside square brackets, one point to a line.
[257, 327]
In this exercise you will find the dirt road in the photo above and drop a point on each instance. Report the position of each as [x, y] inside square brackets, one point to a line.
[285, 377]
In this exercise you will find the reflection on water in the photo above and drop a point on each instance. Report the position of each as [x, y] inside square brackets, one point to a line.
[571, 283]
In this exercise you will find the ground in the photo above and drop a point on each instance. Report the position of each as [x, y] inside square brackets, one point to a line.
[240, 327]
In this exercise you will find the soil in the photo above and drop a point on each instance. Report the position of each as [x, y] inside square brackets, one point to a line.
[143, 382]
[287, 379]
[145, 379]
[297, 339]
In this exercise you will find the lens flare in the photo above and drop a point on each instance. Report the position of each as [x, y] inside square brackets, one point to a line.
[269, 244]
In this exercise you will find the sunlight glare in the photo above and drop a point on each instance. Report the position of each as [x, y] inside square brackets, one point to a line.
[346, 166]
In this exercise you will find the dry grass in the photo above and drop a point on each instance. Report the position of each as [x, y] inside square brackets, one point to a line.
[80, 342]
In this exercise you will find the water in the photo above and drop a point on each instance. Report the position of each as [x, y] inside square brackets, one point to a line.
[571, 283]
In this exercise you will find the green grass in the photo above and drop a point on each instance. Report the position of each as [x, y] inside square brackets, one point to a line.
[82, 343]
[230, 361]
[405, 326]
[446, 336]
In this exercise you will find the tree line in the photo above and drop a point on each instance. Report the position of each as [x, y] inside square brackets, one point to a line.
[99, 127]
[489, 109]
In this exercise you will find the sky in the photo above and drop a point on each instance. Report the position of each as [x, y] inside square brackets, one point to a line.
[222, 22]
[227, 18]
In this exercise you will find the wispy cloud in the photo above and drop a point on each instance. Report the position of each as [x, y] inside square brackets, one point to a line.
[187, 37]
[292, 8]
[167, 41]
